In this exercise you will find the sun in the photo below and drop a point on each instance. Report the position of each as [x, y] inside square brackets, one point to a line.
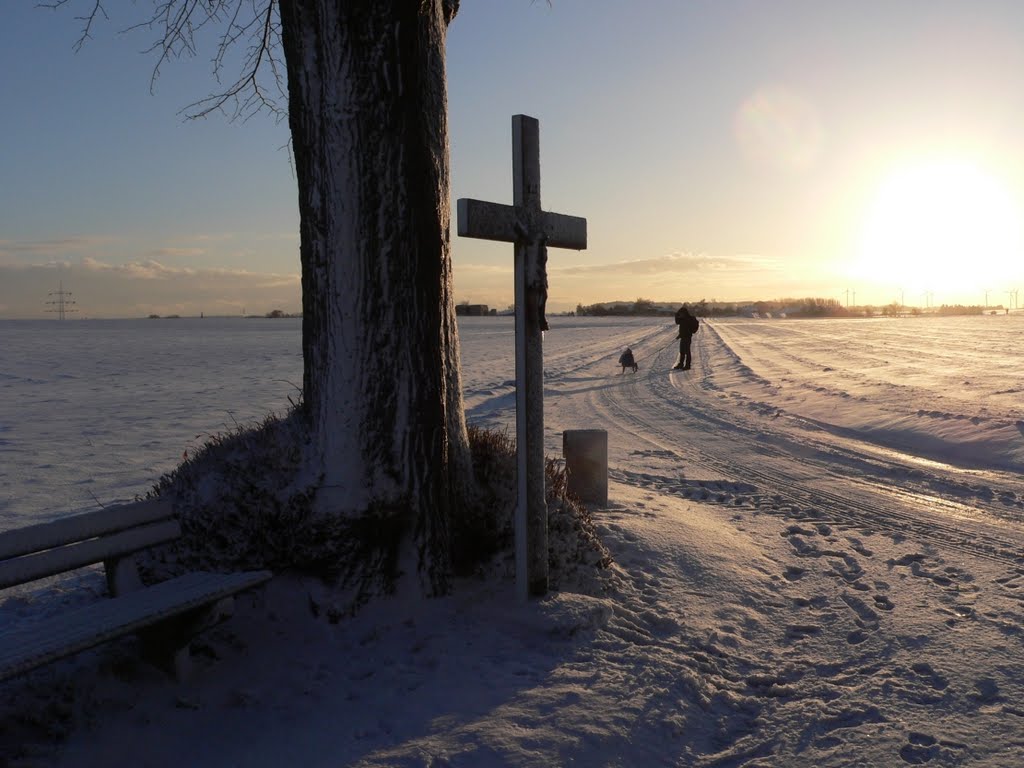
[943, 225]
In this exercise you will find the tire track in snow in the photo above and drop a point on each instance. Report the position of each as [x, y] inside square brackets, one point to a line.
[644, 408]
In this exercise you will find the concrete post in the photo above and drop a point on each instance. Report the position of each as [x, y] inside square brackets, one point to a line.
[586, 464]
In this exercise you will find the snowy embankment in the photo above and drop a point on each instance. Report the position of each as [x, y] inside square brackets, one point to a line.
[945, 388]
[786, 593]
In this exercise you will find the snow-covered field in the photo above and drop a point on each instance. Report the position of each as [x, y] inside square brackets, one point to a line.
[819, 555]
[96, 410]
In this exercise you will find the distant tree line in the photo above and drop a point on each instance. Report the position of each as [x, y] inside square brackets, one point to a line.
[638, 308]
[787, 307]
[810, 307]
[897, 310]
[960, 309]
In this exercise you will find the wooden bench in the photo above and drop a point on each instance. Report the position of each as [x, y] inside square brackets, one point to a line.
[165, 615]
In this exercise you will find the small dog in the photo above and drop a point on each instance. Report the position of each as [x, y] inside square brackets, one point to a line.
[626, 361]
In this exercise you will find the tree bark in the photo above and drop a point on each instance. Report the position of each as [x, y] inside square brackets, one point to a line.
[382, 388]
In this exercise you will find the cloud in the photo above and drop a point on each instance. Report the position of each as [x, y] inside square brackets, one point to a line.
[138, 270]
[182, 248]
[139, 288]
[669, 277]
[483, 271]
[218, 237]
[672, 263]
[54, 248]
[178, 253]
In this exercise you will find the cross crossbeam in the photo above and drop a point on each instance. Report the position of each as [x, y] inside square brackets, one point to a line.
[494, 221]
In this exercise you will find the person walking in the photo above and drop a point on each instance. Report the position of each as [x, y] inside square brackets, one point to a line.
[688, 325]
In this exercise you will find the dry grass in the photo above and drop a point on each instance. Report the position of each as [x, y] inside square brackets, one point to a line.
[577, 560]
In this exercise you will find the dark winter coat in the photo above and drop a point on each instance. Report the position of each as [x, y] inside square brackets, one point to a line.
[688, 324]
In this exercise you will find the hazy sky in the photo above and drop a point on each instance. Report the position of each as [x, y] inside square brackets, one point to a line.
[722, 150]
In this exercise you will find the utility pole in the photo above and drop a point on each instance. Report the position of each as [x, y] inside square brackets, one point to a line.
[62, 302]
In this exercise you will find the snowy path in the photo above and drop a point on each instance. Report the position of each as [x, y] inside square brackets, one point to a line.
[714, 438]
[922, 567]
[804, 592]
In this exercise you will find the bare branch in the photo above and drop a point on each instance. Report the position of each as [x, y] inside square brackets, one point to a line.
[249, 37]
[87, 19]
[249, 93]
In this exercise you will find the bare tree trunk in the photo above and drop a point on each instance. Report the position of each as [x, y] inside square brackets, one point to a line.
[382, 387]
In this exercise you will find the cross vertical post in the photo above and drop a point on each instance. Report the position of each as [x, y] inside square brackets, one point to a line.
[530, 255]
[531, 230]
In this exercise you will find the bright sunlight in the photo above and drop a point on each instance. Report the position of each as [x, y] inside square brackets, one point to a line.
[946, 226]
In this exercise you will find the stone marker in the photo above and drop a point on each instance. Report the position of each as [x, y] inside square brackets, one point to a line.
[532, 230]
[586, 464]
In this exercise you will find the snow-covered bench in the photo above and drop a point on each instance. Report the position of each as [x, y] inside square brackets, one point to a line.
[166, 615]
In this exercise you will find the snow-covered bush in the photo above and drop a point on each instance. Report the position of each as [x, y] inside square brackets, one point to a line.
[245, 502]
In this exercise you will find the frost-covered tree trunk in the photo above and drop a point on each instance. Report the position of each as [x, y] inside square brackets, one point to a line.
[381, 387]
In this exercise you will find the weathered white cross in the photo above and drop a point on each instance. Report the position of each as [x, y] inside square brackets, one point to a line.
[532, 230]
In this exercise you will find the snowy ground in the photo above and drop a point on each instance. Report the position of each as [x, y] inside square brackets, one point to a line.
[803, 580]
[96, 410]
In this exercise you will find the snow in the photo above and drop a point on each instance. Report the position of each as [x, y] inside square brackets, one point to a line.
[97, 410]
[819, 561]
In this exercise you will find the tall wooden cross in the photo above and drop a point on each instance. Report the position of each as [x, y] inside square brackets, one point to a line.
[532, 230]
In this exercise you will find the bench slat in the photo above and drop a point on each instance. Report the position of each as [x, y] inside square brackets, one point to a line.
[35, 538]
[33, 644]
[24, 569]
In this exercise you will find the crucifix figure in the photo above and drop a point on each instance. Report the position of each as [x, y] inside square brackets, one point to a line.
[532, 230]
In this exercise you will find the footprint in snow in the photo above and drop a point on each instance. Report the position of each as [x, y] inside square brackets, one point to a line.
[920, 749]
[866, 617]
[793, 573]
[884, 603]
[849, 570]
[859, 548]
[933, 678]
[795, 632]
[987, 690]
[857, 637]
[817, 602]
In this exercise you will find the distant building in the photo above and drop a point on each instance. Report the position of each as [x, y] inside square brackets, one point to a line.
[472, 310]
